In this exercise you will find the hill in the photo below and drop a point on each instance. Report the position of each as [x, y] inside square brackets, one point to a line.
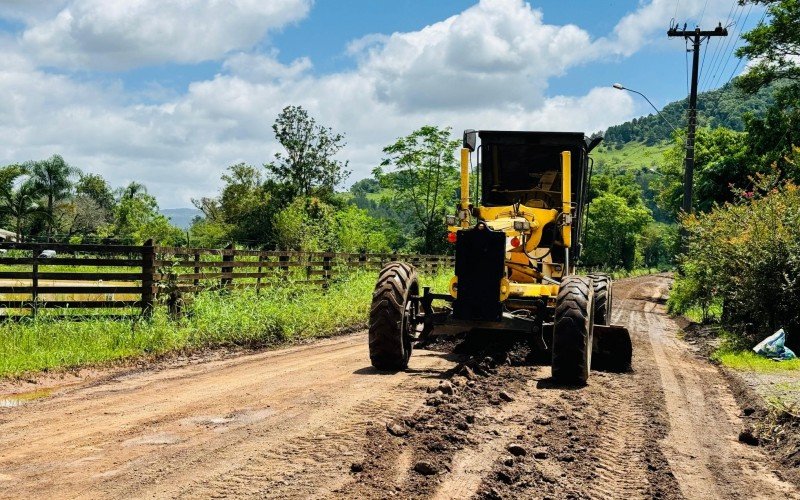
[632, 156]
[723, 107]
[181, 217]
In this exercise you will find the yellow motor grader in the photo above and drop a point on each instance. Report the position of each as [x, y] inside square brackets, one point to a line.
[515, 251]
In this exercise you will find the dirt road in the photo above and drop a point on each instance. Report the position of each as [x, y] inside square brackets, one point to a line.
[310, 421]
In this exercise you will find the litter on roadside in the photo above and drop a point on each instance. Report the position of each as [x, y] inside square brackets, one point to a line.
[774, 347]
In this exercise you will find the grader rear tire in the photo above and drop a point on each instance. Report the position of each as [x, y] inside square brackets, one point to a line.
[572, 331]
[389, 332]
[602, 298]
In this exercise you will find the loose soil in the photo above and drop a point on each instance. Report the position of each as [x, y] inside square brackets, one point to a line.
[470, 418]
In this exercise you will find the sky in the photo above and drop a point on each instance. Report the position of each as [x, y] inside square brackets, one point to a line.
[170, 93]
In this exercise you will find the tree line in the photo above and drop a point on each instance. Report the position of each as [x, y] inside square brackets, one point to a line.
[50, 200]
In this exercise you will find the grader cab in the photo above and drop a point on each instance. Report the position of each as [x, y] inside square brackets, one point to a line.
[517, 240]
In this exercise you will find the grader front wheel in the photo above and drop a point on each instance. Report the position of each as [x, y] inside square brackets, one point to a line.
[389, 329]
[572, 331]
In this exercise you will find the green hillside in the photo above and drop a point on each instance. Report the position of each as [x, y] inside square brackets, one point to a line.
[630, 156]
[723, 107]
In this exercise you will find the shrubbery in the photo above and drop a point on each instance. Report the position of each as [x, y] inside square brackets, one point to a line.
[746, 256]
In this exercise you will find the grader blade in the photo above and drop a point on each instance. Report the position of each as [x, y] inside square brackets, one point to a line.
[613, 349]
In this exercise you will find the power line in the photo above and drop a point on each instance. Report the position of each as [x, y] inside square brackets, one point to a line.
[720, 67]
[702, 14]
[705, 53]
[718, 52]
[733, 49]
[739, 62]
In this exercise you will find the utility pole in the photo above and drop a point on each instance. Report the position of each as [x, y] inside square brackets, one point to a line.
[698, 37]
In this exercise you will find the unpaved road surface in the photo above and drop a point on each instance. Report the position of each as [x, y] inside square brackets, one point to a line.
[311, 421]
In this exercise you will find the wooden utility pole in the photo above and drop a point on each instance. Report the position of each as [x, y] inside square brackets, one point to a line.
[697, 37]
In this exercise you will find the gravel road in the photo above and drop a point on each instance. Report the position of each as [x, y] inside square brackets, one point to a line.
[311, 421]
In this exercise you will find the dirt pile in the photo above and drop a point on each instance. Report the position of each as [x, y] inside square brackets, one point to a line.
[496, 426]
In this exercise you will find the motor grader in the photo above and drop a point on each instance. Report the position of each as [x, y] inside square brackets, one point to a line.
[517, 242]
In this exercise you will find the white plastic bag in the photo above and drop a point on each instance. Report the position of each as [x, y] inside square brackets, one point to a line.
[773, 347]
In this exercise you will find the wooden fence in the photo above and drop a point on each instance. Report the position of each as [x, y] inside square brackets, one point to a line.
[135, 279]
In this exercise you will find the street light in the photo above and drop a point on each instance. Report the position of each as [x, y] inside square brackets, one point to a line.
[619, 86]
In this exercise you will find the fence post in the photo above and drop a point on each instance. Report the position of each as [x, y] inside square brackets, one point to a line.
[326, 268]
[284, 263]
[196, 268]
[258, 278]
[175, 298]
[362, 259]
[35, 285]
[227, 256]
[148, 277]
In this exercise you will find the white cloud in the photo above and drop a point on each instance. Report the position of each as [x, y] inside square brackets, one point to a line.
[101, 34]
[637, 29]
[496, 53]
[487, 67]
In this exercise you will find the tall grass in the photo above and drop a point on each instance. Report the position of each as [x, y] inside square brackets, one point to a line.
[242, 318]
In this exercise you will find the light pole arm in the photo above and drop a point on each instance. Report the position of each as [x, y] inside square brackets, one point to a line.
[620, 87]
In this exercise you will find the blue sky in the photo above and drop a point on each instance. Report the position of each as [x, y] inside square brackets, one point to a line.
[170, 95]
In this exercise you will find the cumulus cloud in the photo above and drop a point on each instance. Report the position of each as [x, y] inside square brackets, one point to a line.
[487, 67]
[637, 28]
[98, 34]
[496, 53]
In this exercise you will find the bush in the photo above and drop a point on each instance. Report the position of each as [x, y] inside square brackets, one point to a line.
[747, 256]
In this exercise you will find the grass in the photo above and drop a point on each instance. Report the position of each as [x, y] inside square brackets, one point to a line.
[746, 360]
[634, 155]
[243, 318]
[695, 313]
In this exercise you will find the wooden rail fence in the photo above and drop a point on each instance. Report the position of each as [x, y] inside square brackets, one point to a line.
[138, 278]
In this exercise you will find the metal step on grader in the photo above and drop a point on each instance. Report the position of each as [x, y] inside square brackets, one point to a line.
[516, 245]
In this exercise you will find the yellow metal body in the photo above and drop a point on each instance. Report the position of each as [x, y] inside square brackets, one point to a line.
[566, 196]
[464, 178]
[531, 273]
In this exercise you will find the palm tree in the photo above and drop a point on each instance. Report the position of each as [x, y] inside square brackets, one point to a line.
[51, 178]
[133, 190]
[20, 204]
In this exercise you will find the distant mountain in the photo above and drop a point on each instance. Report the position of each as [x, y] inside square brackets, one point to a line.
[723, 107]
[181, 217]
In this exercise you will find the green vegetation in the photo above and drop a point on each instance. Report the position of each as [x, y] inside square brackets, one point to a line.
[743, 253]
[422, 186]
[746, 255]
[50, 200]
[726, 107]
[632, 156]
[276, 315]
[746, 360]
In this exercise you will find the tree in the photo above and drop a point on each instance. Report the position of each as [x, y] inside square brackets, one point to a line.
[245, 209]
[423, 183]
[722, 165]
[136, 219]
[95, 187]
[308, 162]
[81, 215]
[132, 190]
[773, 48]
[612, 232]
[20, 205]
[305, 225]
[51, 178]
[774, 51]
